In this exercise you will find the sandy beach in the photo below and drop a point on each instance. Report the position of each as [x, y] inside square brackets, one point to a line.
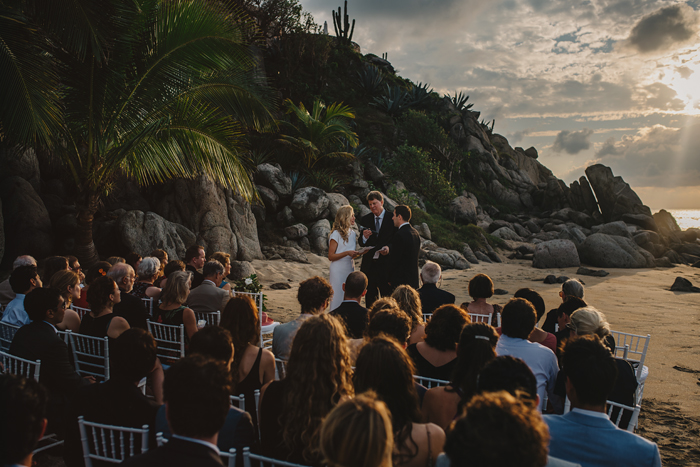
[636, 301]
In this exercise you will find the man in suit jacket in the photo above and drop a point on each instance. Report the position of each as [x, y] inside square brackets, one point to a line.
[354, 315]
[194, 261]
[378, 231]
[208, 297]
[197, 401]
[586, 435]
[131, 308]
[38, 341]
[430, 296]
[403, 250]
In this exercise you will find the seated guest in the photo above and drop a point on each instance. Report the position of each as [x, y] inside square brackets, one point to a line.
[131, 308]
[112, 260]
[586, 435]
[148, 270]
[383, 303]
[314, 296]
[384, 367]
[195, 259]
[572, 288]
[564, 312]
[133, 259]
[213, 342]
[518, 321]
[358, 432]
[509, 374]
[197, 402]
[547, 339]
[23, 404]
[117, 401]
[101, 321]
[101, 268]
[162, 256]
[409, 301]
[391, 322]
[74, 265]
[436, 356]
[252, 366]
[319, 377]
[225, 259]
[52, 265]
[172, 266]
[430, 296]
[38, 341]
[6, 292]
[350, 312]
[208, 297]
[481, 288]
[172, 309]
[476, 348]
[23, 280]
[68, 283]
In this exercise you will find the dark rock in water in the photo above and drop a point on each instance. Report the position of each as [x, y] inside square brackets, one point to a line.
[500, 292]
[280, 286]
[666, 223]
[592, 272]
[642, 220]
[684, 285]
[663, 262]
[615, 197]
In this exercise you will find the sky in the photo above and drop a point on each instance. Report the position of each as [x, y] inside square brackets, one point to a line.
[615, 82]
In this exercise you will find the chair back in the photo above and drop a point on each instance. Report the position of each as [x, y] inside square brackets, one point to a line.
[7, 333]
[484, 318]
[212, 319]
[90, 355]
[280, 368]
[229, 457]
[238, 401]
[109, 443]
[149, 305]
[427, 316]
[430, 382]
[81, 311]
[170, 340]
[19, 366]
[264, 461]
[616, 416]
[633, 348]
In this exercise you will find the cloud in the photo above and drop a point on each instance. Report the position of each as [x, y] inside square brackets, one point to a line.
[572, 142]
[662, 97]
[518, 136]
[684, 71]
[608, 148]
[664, 29]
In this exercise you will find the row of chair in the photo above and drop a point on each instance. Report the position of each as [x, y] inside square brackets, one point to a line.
[474, 317]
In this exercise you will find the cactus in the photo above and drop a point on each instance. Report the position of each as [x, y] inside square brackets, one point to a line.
[385, 56]
[342, 29]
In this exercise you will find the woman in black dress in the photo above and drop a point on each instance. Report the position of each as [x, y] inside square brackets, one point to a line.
[172, 309]
[102, 295]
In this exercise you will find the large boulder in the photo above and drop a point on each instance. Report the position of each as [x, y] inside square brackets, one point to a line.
[556, 254]
[296, 231]
[505, 233]
[447, 259]
[309, 203]
[27, 226]
[20, 163]
[618, 228]
[335, 202]
[612, 251]
[269, 198]
[641, 220]
[666, 223]
[615, 196]
[240, 270]
[272, 176]
[463, 209]
[144, 232]
[318, 236]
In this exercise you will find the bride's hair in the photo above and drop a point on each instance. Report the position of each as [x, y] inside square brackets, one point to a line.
[342, 221]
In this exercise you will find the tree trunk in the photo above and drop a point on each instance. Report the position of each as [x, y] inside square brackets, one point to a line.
[85, 248]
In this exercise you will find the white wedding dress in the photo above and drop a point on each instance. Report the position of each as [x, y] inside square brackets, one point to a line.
[342, 267]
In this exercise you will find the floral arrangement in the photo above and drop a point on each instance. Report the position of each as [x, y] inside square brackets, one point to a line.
[250, 284]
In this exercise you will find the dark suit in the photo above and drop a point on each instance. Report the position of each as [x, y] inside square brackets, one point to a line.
[376, 270]
[177, 453]
[355, 317]
[38, 341]
[403, 251]
[133, 310]
[432, 298]
[197, 277]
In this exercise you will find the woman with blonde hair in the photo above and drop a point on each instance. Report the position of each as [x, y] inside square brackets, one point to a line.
[358, 432]
[409, 301]
[319, 377]
[68, 283]
[173, 309]
[341, 252]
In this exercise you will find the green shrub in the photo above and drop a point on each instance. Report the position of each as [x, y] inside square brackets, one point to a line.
[418, 129]
[450, 235]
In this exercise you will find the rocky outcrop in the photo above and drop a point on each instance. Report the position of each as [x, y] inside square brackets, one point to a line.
[309, 204]
[272, 176]
[335, 202]
[666, 223]
[556, 254]
[144, 232]
[462, 209]
[318, 236]
[611, 251]
[15, 162]
[615, 196]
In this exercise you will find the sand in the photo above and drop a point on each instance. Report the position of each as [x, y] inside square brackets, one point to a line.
[637, 301]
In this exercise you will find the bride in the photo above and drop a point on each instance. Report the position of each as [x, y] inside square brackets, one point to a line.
[341, 252]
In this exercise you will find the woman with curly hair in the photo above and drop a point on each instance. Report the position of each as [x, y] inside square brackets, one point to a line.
[341, 252]
[436, 356]
[384, 368]
[477, 347]
[252, 366]
[409, 301]
[318, 378]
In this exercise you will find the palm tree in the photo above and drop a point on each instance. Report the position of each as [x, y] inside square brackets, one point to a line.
[153, 89]
[321, 133]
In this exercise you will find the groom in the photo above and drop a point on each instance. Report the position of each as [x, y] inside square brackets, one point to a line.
[403, 249]
[378, 232]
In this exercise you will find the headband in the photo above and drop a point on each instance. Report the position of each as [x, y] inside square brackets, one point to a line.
[482, 337]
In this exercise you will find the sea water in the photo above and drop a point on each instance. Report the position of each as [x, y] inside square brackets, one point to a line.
[686, 218]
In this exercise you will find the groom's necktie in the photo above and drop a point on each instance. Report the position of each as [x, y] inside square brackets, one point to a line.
[378, 223]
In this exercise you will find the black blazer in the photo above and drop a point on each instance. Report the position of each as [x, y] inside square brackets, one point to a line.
[355, 317]
[133, 309]
[403, 251]
[176, 453]
[433, 298]
[197, 277]
[376, 240]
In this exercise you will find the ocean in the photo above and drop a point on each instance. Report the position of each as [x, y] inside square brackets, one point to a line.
[686, 218]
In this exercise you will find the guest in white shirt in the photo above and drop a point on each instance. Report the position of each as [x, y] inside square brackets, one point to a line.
[23, 280]
[6, 292]
[518, 320]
